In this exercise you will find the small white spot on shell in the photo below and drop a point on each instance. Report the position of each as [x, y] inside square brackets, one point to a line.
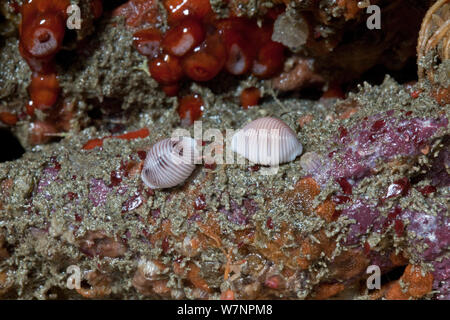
[169, 162]
[267, 141]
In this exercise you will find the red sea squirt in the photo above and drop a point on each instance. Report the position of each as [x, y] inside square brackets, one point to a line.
[184, 36]
[269, 61]
[42, 31]
[250, 97]
[206, 45]
[166, 69]
[148, 42]
[44, 90]
[180, 9]
[206, 60]
[240, 49]
[190, 109]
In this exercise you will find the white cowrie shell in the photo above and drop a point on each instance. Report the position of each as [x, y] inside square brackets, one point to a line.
[267, 141]
[169, 162]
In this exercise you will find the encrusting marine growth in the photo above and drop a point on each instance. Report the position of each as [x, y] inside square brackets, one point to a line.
[362, 173]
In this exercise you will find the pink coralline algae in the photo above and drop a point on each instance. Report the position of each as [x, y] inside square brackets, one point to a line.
[365, 216]
[430, 234]
[438, 172]
[442, 278]
[429, 241]
[240, 214]
[49, 175]
[427, 236]
[355, 152]
[377, 138]
[98, 192]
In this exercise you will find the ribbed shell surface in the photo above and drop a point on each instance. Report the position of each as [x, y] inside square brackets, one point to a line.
[169, 163]
[267, 141]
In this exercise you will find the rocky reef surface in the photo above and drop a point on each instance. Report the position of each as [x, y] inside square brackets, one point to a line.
[370, 189]
[309, 231]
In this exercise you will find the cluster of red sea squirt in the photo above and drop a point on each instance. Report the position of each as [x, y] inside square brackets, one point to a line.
[42, 32]
[199, 46]
[41, 35]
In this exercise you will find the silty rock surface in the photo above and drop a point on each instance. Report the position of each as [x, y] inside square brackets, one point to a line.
[295, 234]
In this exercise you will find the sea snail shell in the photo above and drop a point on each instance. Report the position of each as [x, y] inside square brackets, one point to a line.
[169, 162]
[267, 141]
